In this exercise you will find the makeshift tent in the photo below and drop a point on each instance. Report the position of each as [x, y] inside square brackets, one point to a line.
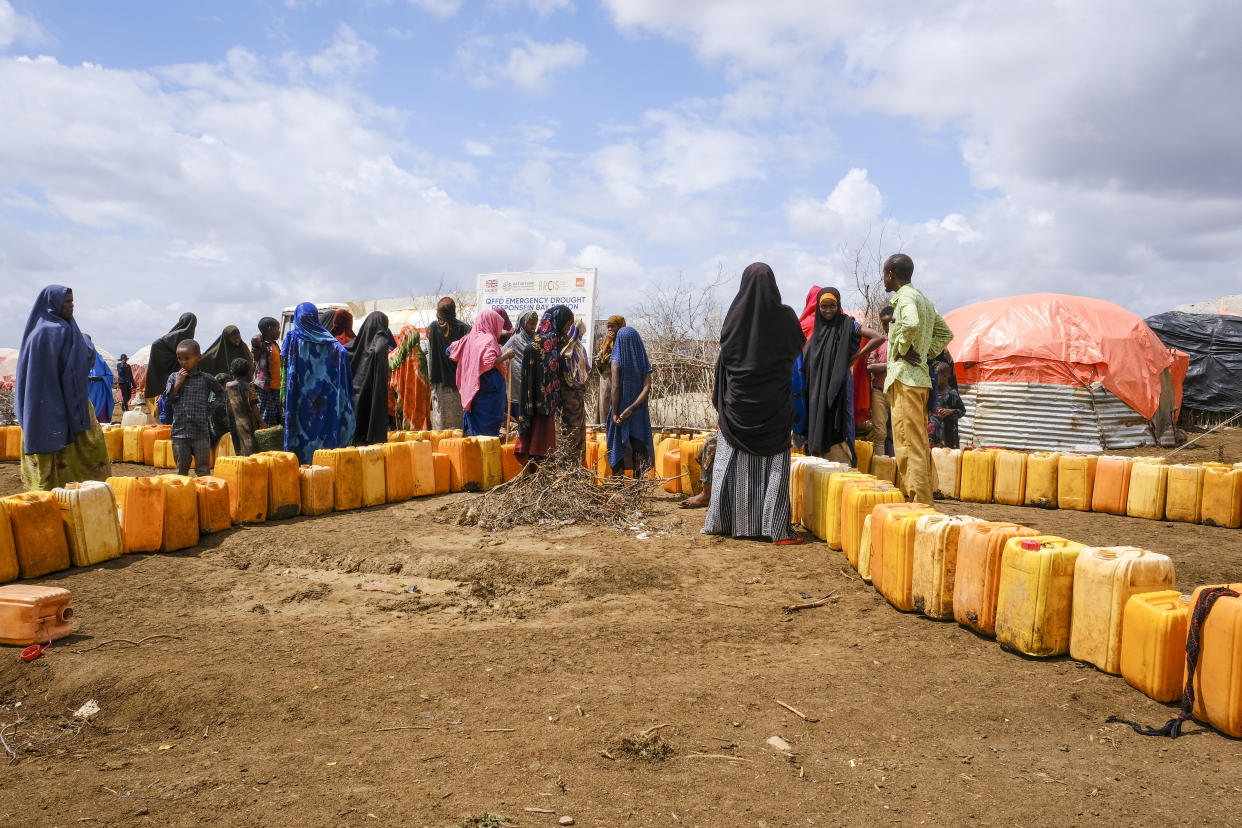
[1229, 305]
[1050, 371]
[1214, 343]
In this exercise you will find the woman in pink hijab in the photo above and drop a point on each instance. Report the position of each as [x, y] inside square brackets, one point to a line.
[480, 376]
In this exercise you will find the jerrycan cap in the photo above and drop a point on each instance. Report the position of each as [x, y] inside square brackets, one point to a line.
[1031, 545]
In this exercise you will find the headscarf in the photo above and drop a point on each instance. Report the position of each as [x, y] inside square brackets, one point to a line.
[442, 333]
[518, 343]
[162, 363]
[826, 372]
[219, 356]
[577, 369]
[615, 323]
[342, 326]
[368, 363]
[52, 365]
[409, 377]
[476, 354]
[100, 390]
[542, 368]
[504, 317]
[807, 319]
[759, 341]
[629, 355]
[319, 400]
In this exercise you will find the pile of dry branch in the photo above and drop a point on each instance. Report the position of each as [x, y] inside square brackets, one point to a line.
[560, 492]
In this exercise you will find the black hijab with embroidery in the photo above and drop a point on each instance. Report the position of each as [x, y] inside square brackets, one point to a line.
[826, 374]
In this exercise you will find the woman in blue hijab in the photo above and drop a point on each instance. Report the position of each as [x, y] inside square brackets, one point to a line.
[319, 393]
[61, 439]
[100, 388]
[630, 446]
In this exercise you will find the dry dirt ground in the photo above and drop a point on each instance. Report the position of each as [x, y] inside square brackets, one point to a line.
[305, 685]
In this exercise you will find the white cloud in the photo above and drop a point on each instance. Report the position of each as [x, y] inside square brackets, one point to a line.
[528, 64]
[347, 56]
[225, 190]
[477, 148]
[16, 27]
[852, 206]
[541, 7]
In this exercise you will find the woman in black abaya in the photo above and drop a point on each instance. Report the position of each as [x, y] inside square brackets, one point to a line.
[368, 360]
[753, 396]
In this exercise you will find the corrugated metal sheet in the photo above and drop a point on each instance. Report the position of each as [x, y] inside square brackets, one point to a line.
[1049, 417]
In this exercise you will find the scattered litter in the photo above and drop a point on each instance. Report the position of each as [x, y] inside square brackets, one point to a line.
[167, 747]
[87, 710]
[780, 744]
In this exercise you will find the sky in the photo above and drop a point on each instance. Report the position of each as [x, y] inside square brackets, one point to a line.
[235, 158]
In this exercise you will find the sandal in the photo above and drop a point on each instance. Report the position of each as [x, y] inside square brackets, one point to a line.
[796, 539]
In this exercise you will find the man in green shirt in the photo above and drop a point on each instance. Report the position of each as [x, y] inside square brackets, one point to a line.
[917, 332]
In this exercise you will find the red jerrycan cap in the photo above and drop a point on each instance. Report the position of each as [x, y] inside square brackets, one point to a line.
[1031, 545]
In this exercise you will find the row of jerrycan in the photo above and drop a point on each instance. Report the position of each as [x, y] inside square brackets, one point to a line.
[1038, 595]
[1144, 487]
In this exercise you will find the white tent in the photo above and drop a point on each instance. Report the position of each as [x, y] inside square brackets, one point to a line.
[1230, 305]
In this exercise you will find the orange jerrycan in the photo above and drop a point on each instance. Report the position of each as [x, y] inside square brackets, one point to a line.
[884, 468]
[1036, 594]
[1153, 643]
[443, 471]
[1111, 492]
[864, 550]
[422, 467]
[691, 471]
[980, 549]
[493, 471]
[180, 512]
[670, 470]
[38, 533]
[1104, 580]
[374, 475]
[149, 435]
[346, 465]
[860, 501]
[284, 487]
[935, 564]
[900, 536]
[164, 455]
[1041, 479]
[316, 485]
[815, 504]
[142, 515]
[92, 527]
[33, 614]
[465, 463]
[399, 471]
[837, 505]
[508, 461]
[247, 482]
[213, 504]
[131, 444]
[10, 442]
[863, 451]
[9, 570]
[114, 438]
[1218, 673]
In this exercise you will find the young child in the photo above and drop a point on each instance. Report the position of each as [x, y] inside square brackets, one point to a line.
[193, 397]
[266, 351]
[950, 409]
[243, 406]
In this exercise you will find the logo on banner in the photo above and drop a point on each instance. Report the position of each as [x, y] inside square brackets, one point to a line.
[491, 285]
[580, 282]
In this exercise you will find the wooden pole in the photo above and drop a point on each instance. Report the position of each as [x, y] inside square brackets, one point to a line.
[508, 400]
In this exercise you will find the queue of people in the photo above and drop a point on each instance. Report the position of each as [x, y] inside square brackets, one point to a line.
[326, 385]
[785, 380]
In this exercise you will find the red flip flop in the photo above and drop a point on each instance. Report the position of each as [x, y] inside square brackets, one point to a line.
[790, 541]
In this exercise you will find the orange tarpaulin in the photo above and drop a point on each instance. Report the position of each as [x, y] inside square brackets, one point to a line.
[1063, 340]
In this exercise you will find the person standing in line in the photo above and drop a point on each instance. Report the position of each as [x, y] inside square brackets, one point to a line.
[242, 404]
[603, 360]
[194, 396]
[631, 446]
[100, 387]
[124, 380]
[342, 326]
[481, 377]
[523, 336]
[446, 410]
[163, 363]
[61, 439]
[371, 372]
[877, 370]
[408, 367]
[265, 349]
[573, 404]
[827, 366]
[753, 395]
[319, 390]
[917, 332]
[219, 356]
[545, 387]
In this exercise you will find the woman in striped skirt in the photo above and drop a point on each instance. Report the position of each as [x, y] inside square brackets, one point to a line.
[753, 396]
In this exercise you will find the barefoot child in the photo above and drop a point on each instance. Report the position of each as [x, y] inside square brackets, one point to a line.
[193, 396]
[242, 404]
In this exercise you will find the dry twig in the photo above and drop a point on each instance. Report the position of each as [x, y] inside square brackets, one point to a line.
[715, 756]
[795, 711]
[651, 730]
[127, 641]
[811, 605]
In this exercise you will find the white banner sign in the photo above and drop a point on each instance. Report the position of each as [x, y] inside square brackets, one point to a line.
[539, 290]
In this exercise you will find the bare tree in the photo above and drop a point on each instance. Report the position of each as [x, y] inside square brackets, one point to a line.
[864, 260]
